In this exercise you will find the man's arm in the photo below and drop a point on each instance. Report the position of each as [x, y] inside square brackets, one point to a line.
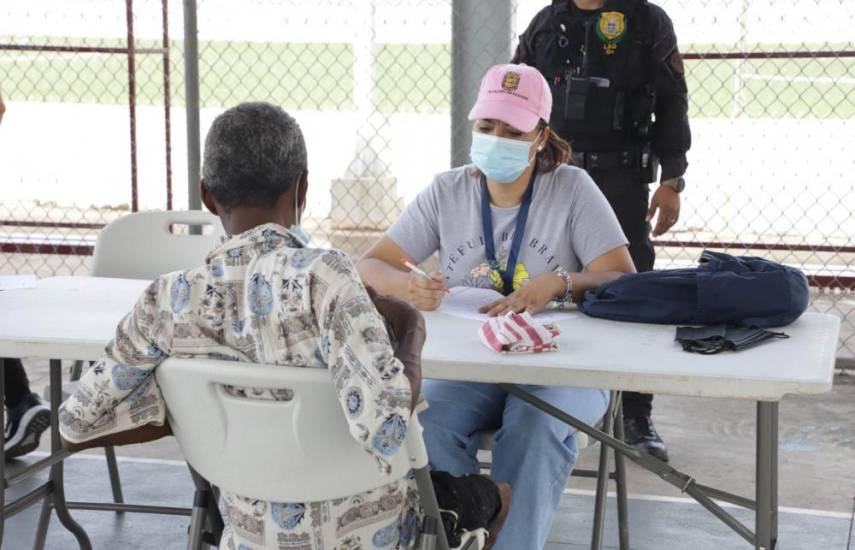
[406, 328]
[526, 48]
[671, 134]
[524, 53]
[117, 400]
[375, 392]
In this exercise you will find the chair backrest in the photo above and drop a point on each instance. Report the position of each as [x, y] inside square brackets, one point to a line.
[297, 450]
[141, 245]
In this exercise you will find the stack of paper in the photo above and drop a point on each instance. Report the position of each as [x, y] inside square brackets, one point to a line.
[17, 282]
[464, 301]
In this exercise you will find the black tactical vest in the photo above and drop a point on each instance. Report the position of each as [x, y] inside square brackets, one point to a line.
[594, 64]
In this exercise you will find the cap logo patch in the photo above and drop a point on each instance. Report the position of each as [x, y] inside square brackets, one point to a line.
[511, 81]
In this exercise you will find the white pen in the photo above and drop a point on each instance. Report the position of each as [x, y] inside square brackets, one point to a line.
[415, 269]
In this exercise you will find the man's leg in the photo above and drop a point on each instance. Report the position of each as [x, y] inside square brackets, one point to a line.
[535, 453]
[27, 417]
[629, 199]
[457, 414]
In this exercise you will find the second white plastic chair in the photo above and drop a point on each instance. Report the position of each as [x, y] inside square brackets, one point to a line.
[145, 245]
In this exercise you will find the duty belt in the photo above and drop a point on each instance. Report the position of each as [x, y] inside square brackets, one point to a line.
[607, 160]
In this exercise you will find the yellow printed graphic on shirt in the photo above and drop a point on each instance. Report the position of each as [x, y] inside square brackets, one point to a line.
[521, 277]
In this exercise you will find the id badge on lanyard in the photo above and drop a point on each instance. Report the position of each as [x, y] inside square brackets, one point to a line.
[507, 274]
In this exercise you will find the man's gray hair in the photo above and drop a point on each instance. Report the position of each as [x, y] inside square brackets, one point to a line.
[254, 153]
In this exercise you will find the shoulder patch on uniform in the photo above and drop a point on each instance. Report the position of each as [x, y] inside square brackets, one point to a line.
[676, 61]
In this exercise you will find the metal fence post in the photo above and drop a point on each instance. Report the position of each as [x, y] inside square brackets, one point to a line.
[191, 92]
[132, 101]
[480, 38]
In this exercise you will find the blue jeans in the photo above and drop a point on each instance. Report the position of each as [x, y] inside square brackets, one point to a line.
[533, 451]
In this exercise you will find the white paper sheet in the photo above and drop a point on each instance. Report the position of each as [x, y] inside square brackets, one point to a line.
[16, 282]
[464, 301]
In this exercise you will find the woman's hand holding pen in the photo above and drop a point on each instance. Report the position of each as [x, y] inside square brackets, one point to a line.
[425, 291]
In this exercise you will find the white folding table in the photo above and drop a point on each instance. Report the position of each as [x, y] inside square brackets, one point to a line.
[75, 317]
[62, 318]
[645, 358]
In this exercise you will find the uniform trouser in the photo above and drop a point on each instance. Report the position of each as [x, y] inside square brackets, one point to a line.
[15, 382]
[532, 451]
[629, 198]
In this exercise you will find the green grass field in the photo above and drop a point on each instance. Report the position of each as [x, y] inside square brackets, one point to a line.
[409, 77]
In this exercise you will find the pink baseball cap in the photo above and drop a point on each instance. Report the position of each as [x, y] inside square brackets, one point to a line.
[515, 94]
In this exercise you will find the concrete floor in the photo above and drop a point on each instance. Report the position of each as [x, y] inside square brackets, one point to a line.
[713, 440]
[656, 523]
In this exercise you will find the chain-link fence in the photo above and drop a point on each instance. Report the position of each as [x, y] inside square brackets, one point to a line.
[95, 99]
[86, 136]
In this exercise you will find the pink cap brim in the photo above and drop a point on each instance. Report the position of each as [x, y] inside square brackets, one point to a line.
[521, 119]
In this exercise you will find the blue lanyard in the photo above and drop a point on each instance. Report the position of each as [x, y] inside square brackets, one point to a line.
[487, 223]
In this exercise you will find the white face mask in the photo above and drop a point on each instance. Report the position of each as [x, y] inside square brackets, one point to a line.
[295, 228]
[501, 159]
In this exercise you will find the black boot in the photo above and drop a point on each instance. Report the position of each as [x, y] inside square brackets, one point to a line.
[639, 432]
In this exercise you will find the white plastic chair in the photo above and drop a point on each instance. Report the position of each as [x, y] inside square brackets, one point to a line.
[299, 450]
[142, 246]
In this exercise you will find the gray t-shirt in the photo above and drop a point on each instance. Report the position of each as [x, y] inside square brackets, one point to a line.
[570, 224]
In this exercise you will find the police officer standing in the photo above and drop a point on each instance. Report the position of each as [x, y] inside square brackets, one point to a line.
[619, 98]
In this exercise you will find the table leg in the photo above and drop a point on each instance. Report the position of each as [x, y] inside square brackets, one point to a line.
[201, 511]
[603, 479]
[766, 516]
[620, 480]
[44, 523]
[2, 448]
[766, 504]
[774, 480]
[56, 471]
[113, 471]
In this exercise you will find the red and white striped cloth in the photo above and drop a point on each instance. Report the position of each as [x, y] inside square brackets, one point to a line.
[518, 333]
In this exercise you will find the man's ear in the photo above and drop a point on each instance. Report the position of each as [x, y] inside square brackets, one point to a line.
[208, 199]
[302, 189]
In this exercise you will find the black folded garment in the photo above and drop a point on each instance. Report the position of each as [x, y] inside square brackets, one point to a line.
[716, 338]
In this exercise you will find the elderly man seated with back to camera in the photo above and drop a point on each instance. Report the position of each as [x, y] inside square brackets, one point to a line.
[264, 295]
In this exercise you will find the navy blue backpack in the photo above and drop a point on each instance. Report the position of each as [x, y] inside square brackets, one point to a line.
[723, 289]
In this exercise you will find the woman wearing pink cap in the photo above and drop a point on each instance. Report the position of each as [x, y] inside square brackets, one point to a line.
[521, 221]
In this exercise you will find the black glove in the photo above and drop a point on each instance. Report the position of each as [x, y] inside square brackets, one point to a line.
[716, 338]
